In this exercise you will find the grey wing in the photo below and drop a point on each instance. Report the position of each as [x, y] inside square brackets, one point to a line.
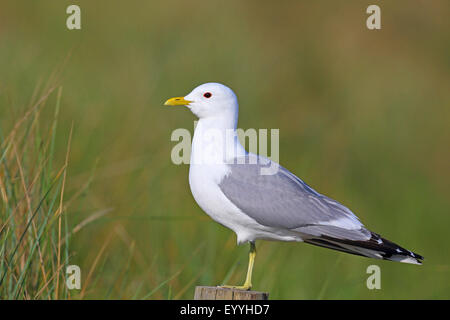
[282, 200]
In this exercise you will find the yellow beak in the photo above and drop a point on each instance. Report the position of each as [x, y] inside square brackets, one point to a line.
[177, 101]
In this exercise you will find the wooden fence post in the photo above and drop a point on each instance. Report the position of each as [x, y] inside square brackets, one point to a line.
[217, 293]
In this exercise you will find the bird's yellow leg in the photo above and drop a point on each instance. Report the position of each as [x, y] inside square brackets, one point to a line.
[248, 280]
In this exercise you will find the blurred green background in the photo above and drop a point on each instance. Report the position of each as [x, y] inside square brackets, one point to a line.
[363, 118]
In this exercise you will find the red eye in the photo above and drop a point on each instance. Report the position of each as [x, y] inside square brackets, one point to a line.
[207, 95]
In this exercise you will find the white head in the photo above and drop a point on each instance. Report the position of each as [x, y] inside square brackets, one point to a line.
[209, 100]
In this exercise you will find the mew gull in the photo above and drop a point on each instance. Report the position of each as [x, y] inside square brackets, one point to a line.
[231, 186]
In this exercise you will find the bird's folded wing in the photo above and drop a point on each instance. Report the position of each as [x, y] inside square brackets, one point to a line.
[284, 201]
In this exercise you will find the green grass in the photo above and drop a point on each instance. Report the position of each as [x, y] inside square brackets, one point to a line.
[363, 118]
[34, 238]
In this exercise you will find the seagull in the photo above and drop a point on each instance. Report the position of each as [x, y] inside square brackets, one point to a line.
[259, 199]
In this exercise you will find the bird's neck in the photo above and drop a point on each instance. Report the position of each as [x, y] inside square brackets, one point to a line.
[216, 141]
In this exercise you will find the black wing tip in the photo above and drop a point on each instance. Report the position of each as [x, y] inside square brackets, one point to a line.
[405, 259]
[394, 252]
[385, 249]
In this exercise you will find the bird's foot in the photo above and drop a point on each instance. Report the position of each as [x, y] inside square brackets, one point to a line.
[245, 287]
